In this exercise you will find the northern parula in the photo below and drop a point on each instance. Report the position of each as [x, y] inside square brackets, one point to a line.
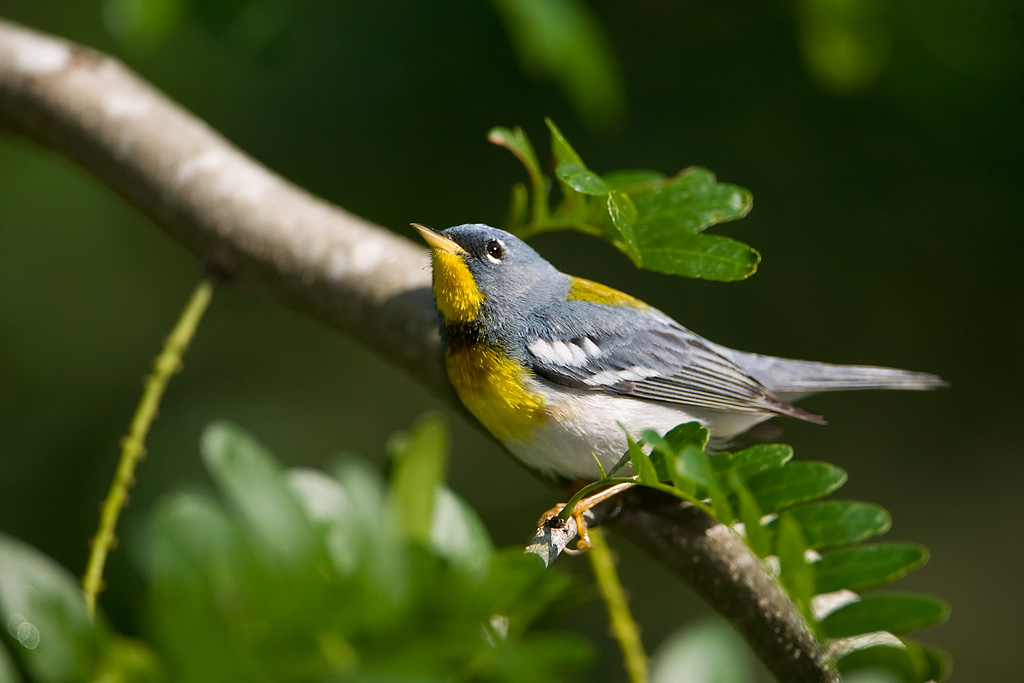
[553, 364]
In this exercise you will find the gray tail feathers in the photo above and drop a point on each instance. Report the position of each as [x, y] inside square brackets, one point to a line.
[792, 379]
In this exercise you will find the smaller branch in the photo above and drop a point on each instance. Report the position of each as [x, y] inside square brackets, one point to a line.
[623, 626]
[133, 447]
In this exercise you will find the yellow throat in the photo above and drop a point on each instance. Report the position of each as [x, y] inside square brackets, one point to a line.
[455, 291]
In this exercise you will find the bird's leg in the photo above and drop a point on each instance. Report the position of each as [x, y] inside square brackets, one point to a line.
[584, 505]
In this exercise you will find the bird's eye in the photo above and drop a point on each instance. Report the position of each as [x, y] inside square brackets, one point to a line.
[495, 250]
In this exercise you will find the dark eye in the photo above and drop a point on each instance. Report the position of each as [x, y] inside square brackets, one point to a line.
[495, 250]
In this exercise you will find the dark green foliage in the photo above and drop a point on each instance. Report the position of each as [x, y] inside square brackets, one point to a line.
[301, 575]
[563, 42]
[774, 503]
[831, 523]
[657, 221]
[893, 612]
[796, 482]
[46, 625]
[867, 566]
[907, 660]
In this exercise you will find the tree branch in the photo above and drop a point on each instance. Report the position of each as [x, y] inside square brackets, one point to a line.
[265, 235]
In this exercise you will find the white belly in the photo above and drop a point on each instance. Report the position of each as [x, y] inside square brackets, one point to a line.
[568, 441]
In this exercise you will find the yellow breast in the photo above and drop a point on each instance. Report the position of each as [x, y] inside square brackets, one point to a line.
[496, 390]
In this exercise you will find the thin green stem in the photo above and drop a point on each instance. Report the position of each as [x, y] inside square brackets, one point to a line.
[133, 445]
[623, 626]
[592, 487]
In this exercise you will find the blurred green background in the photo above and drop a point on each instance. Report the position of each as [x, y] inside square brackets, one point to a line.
[882, 143]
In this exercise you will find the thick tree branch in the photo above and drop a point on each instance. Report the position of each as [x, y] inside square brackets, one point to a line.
[270, 237]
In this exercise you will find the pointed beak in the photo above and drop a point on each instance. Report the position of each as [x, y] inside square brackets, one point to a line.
[438, 241]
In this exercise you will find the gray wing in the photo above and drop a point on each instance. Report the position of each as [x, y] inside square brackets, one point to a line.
[658, 361]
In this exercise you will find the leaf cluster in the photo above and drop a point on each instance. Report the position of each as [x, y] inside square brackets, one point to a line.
[301, 575]
[814, 547]
[658, 221]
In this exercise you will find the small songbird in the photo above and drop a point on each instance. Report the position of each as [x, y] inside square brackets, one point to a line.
[556, 367]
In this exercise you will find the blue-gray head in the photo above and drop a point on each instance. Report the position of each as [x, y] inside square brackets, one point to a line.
[480, 270]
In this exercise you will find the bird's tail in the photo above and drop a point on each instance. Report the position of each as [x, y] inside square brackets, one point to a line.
[791, 379]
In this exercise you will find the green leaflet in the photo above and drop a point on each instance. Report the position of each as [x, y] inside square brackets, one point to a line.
[754, 460]
[691, 201]
[562, 41]
[830, 523]
[866, 566]
[907, 661]
[47, 628]
[796, 574]
[623, 215]
[798, 482]
[255, 483]
[910, 660]
[420, 459]
[645, 469]
[580, 178]
[750, 514]
[657, 221]
[893, 612]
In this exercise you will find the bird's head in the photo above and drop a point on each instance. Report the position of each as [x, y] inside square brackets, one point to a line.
[477, 267]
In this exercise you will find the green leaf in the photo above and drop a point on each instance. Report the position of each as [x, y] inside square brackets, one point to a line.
[865, 566]
[257, 487]
[560, 147]
[144, 24]
[623, 214]
[561, 40]
[706, 257]
[199, 562]
[420, 458]
[753, 460]
[518, 207]
[893, 612]
[710, 652]
[692, 463]
[940, 664]
[796, 574]
[221, 612]
[690, 203]
[516, 141]
[331, 509]
[458, 534]
[672, 213]
[8, 674]
[797, 482]
[688, 433]
[632, 180]
[907, 664]
[831, 523]
[642, 465]
[750, 514]
[580, 178]
[42, 612]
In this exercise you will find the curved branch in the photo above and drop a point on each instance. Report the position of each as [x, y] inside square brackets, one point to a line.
[266, 235]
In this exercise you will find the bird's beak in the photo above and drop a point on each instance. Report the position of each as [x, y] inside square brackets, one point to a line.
[438, 241]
